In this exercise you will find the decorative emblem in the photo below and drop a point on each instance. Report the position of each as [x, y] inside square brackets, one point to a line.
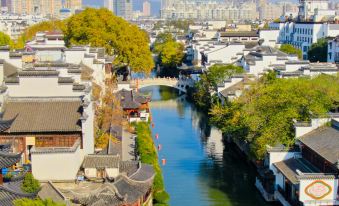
[318, 190]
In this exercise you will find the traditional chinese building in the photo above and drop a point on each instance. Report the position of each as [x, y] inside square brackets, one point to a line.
[49, 132]
[128, 183]
[308, 174]
[10, 189]
[135, 105]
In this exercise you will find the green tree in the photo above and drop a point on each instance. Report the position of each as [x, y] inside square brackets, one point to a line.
[289, 49]
[36, 202]
[209, 81]
[318, 51]
[31, 31]
[30, 185]
[172, 54]
[161, 39]
[148, 154]
[264, 114]
[101, 28]
[5, 39]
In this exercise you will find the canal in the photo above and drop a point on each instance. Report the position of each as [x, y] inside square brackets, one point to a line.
[200, 170]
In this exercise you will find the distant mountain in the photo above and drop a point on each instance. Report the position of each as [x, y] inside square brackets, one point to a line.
[137, 5]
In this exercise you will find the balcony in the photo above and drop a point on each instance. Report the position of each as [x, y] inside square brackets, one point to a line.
[285, 198]
[267, 196]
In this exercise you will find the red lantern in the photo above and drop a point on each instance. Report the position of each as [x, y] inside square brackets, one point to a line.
[159, 147]
[157, 136]
[163, 161]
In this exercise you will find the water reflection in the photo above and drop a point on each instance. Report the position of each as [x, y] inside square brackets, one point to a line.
[200, 170]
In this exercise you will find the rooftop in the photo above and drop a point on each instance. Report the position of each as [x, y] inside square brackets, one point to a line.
[324, 141]
[290, 168]
[32, 115]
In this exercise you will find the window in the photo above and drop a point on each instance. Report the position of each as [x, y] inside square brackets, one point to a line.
[330, 55]
[305, 49]
[330, 45]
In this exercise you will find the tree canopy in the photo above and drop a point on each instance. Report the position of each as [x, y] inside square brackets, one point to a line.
[101, 28]
[171, 53]
[30, 185]
[209, 81]
[36, 202]
[30, 32]
[264, 114]
[289, 49]
[318, 51]
[5, 39]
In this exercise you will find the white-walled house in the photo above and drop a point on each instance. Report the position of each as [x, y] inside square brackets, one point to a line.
[269, 37]
[260, 59]
[303, 34]
[333, 50]
[308, 173]
[54, 116]
[211, 52]
[48, 46]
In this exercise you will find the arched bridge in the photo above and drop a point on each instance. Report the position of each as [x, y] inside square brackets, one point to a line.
[181, 84]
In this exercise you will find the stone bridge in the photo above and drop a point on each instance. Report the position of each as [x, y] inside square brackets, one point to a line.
[182, 84]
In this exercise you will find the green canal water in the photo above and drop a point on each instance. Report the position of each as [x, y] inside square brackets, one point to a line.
[200, 170]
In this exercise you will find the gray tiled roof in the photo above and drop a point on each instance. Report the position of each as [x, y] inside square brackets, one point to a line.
[49, 191]
[240, 34]
[132, 189]
[106, 195]
[324, 141]
[12, 191]
[8, 159]
[101, 161]
[38, 73]
[10, 70]
[43, 115]
[125, 190]
[128, 167]
[131, 99]
[144, 173]
[289, 168]
[79, 87]
[7, 196]
[65, 80]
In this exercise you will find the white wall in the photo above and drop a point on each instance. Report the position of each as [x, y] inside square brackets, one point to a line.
[56, 166]
[40, 87]
[225, 53]
[315, 123]
[270, 37]
[74, 57]
[88, 130]
[275, 157]
[91, 172]
[112, 172]
[321, 186]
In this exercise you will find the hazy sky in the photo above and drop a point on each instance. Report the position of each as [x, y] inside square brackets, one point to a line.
[137, 4]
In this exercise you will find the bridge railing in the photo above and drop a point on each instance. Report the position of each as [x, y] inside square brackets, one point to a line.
[157, 79]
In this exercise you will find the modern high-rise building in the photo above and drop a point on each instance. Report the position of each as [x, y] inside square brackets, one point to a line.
[146, 8]
[270, 11]
[309, 8]
[109, 4]
[207, 10]
[49, 8]
[73, 4]
[123, 8]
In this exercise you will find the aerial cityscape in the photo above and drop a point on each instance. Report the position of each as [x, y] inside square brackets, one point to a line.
[169, 102]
